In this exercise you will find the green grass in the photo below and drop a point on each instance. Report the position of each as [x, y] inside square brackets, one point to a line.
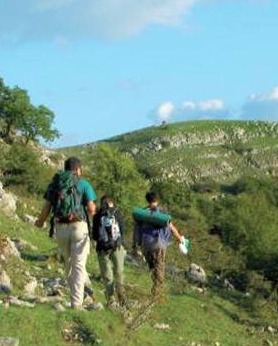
[228, 318]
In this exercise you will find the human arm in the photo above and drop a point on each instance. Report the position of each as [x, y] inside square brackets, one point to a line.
[89, 197]
[95, 227]
[175, 232]
[43, 215]
[183, 242]
[91, 208]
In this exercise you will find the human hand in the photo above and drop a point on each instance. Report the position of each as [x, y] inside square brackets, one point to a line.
[39, 223]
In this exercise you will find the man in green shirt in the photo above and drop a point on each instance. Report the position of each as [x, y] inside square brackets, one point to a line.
[73, 233]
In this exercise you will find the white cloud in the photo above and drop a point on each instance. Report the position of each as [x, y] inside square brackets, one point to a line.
[165, 111]
[261, 106]
[211, 105]
[271, 96]
[35, 19]
[206, 109]
[189, 105]
[204, 106]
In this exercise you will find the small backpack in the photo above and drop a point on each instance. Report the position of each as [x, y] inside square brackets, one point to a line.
[66, 199]
[109, 230]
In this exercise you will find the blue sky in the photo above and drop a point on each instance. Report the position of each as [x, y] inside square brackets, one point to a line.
[106, 67]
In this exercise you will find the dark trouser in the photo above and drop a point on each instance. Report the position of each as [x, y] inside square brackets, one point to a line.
[156, 262]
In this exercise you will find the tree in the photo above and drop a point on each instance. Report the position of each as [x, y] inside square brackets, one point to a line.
[17, 114]
[37, 123]
[15, 107]
[114, 173]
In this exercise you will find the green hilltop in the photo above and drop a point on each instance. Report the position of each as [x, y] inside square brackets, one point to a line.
[218, 180]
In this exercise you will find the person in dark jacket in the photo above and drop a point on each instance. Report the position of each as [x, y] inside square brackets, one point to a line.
[108, 230]
[153, 242]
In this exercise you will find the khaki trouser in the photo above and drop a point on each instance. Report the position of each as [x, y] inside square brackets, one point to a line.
[111, 265]
[73, 241]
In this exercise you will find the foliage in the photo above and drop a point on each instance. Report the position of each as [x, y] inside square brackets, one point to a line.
[18, 115]
[37, 124]
[251, 185]
[233, 232]
[175, 196]
[206, 185]
[251, 231]
[115, 174]
[22, 169]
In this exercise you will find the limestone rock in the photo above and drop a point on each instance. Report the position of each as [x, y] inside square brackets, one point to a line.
[197, 274]
[5, 282]
[7, 201]
[29, 219]
[9, 342]
[8, 248]
[31, 286]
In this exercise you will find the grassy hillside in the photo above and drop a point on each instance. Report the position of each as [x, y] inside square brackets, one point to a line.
[217, 179]
[190, 151]
[206, 318]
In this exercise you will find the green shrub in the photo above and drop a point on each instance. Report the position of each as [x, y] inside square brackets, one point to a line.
[22, 169]
[248, 223]
[115, 174]
[176, 196]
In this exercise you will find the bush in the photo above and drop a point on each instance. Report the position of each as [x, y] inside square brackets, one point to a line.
[175, 196]
[115, 174]
[22, 169]
[248, 223]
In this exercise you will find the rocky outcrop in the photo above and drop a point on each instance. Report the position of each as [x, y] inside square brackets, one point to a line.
[197, 274]
[7, 201]
[5, 282]
[7, 249]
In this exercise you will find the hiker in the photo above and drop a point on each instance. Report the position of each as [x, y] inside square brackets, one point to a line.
[108, 229]
[71, 199]
[153, 240]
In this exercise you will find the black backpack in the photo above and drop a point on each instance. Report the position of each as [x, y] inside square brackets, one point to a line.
[66, 199]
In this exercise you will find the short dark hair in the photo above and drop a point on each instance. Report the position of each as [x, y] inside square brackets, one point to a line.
[151, 196]
[104, 202]
[72, 163]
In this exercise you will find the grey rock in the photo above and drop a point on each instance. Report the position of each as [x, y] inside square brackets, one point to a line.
[22, 245]
[21, 303]
[30, 287]
[197, 274]
[271, 330]
[9, 342]
[53, 286]
[50, 300]
[8, 248]
[162, 326]
[7, 202]
[29, 219]
[5, 282]
[59, 307]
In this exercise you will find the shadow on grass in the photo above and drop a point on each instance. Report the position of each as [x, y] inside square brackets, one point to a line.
[34, 257]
